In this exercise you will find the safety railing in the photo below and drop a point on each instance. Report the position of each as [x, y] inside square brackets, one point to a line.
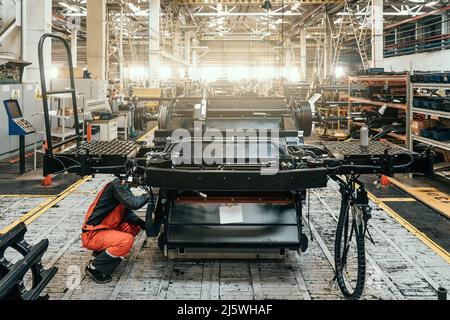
[425, 34]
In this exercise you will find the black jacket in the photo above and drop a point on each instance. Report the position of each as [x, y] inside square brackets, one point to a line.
[114, 194]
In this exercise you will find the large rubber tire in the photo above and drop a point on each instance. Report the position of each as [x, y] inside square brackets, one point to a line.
[345, 225]
[163, 117]
[303, 117]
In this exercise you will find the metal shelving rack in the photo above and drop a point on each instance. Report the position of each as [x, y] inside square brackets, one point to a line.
[413, 110]
[403, 79]
[444, 145]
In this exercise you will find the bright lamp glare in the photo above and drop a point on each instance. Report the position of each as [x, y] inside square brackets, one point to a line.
[136, 72]
[166, 72]
[339, 72]
[54, 73]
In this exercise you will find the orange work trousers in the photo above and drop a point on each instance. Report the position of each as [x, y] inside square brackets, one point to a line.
[117, 242]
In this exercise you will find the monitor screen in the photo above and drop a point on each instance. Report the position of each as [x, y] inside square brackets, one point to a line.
[13, 109]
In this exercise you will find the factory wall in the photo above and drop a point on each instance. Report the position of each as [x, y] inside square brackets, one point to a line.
[429, 61]
[11, 46]
[31, 106]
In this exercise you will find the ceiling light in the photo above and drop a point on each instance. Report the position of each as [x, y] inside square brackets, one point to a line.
[69, 7]
[432, 3]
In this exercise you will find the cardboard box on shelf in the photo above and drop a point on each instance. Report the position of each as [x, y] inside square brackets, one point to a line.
[417, 126]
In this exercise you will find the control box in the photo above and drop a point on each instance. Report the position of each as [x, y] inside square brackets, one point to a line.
[18, 126]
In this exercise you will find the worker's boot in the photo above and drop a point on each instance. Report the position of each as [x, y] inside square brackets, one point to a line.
[97, 275]
[101, 268]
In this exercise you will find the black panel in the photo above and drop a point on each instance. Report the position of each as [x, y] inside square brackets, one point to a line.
[209, 213]
[233, 237]
[237, 180]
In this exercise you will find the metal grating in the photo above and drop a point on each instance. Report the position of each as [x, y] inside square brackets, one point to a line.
[353, 148]
[105, 148]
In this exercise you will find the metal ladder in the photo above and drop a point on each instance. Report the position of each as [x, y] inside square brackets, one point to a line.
[46, 94]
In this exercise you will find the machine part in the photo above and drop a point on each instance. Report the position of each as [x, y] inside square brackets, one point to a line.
[11, 71]
[251, 254]
[141, 117]
[93, 157]
[303, 116]
[164, 115]
[27, 258]
[139, 120]
[442, 293]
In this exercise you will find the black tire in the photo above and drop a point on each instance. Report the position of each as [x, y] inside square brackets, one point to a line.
[349, 228]
[303, 117]
[164, 116]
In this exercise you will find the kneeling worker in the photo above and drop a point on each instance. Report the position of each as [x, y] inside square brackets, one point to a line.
[110, 226]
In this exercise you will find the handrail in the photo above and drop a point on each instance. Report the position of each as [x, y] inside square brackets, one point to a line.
[46, 94]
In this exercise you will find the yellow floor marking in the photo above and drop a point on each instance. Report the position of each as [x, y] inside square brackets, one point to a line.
[430, 196]
[423, 237]
[44, 207]
[397, 199]
[27, 195]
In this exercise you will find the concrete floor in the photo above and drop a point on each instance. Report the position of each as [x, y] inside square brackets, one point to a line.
[400, 266]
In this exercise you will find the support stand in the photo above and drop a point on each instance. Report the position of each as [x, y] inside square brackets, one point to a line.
[22, 155]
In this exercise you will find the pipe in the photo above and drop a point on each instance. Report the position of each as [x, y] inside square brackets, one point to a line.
[23, 13]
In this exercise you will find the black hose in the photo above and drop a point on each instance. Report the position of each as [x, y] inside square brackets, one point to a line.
[402, 166]
[341, 252]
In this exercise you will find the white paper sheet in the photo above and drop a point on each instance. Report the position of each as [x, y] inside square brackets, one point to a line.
[231, 215]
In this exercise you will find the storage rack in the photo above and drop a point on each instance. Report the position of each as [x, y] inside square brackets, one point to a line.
[62, 132]
[439, 86]
[379, 80]
[335, 106]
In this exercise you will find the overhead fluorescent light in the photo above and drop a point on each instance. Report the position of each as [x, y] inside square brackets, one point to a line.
[69, 7]
[295, 6]
[432, 3]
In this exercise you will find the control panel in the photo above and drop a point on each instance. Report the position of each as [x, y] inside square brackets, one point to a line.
[18, 126]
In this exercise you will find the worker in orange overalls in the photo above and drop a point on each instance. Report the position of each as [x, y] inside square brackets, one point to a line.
[110, 226]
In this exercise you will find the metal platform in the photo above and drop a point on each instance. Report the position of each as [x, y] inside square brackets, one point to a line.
[353, 148]
[92, 157]
[105, 148]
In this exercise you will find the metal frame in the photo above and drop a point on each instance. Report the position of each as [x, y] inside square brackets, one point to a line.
[11, 275]
[46, 94]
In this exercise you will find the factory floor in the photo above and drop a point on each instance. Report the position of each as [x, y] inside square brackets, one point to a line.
[403, 263]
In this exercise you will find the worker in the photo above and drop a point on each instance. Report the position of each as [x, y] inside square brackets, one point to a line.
[86, 73]
[110, 226]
